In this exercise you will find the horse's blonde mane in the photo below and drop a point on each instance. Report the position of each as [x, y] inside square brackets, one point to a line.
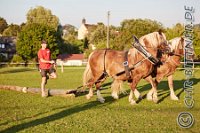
[173, 43]
[153, 38]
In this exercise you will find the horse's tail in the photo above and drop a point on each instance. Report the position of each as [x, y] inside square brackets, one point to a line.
[87, 75]
[117, 88]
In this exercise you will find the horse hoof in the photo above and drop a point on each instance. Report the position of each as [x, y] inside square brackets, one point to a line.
[155, 100]
[132, 102]
[115, 96]
[88, 97]
[149, 98]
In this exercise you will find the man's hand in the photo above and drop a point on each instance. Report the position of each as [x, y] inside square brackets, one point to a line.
[52, 62]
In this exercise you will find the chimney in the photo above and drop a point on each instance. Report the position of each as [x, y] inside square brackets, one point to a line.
[83, 21]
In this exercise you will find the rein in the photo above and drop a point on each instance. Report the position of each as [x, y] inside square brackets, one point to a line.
[145, 53]
[132, 67]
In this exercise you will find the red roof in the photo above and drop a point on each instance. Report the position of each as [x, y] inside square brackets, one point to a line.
[71, 56]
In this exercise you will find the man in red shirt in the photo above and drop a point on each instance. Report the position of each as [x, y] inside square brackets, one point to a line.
[46, 66]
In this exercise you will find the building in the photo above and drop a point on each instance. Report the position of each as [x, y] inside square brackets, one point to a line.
[67, 28]
[7, 47]
[85, 29]
[70, 60]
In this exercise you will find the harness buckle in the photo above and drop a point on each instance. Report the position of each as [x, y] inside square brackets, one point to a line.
[125, 63]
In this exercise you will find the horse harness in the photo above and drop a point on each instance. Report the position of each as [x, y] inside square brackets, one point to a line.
[128, 69]
[104, 74]
[143, 52]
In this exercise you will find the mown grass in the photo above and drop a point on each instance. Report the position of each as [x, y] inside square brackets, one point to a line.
[20, 112]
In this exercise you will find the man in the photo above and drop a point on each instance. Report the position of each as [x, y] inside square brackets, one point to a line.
[46, 66]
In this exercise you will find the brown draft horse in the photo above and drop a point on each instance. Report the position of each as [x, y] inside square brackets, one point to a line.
[168, 68]
[110, 62]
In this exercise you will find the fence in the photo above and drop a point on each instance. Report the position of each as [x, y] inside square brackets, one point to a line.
[6, 64]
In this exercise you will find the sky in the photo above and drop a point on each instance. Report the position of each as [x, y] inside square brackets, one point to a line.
[168, 12]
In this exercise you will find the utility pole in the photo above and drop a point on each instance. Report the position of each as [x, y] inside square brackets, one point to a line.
[108, 17]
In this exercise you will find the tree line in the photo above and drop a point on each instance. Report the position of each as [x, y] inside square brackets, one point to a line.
[41, 24]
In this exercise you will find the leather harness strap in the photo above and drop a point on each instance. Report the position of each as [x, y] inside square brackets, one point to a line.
[104, 74]
[126, 65]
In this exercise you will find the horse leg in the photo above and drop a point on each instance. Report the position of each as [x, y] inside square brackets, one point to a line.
[137, 94]
[90, 94]
[171, 86]
[99, 96]
[133, 88]
[116, 88]
[152, 94]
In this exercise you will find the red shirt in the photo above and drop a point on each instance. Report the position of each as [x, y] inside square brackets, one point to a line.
[44, 54]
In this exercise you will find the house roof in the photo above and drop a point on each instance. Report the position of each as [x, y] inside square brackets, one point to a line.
[71, 57]
[90, 26]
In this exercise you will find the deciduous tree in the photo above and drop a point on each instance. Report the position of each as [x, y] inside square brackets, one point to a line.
[41, 15]
[3, 25]
[29, 40]
[12, 30]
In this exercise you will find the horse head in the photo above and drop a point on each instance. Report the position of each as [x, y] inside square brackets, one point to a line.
[153, 43]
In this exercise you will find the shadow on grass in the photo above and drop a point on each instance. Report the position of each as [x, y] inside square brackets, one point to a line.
[85, 91]
[163, 89]
[59, 115]
[16, 70]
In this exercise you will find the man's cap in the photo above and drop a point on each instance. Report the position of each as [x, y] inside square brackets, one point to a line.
[44, 42]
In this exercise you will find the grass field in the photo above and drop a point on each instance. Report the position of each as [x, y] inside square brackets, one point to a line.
[20, 112]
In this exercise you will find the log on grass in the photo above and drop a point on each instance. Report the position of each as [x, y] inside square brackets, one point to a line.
[51, 92]
[8, 87]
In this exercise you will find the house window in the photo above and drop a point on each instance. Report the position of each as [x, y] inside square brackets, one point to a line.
[2, 46]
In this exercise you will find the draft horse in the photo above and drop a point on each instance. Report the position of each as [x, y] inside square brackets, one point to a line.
[168, 67]
[107, 62]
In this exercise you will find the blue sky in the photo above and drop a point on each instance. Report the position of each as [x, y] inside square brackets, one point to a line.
[168, 12]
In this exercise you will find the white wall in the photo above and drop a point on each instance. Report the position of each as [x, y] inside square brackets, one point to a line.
[70, 63]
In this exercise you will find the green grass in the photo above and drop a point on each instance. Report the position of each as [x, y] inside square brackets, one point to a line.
[20, 112]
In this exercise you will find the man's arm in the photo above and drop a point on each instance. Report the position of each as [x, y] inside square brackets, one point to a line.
[46, 61]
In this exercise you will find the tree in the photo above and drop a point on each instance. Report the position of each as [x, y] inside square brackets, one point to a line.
[3, 25]
[12, 30]
[122, 37]
[41, 15]
[29, 41]
[69, 32]
[137, 27]
[98, 36]
[196, 42]
[175, 31]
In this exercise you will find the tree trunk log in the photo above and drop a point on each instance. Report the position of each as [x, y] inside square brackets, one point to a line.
[51, 92]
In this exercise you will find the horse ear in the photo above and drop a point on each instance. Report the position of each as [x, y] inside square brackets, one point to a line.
[182, 39]
[136, 39]
[160, 31]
